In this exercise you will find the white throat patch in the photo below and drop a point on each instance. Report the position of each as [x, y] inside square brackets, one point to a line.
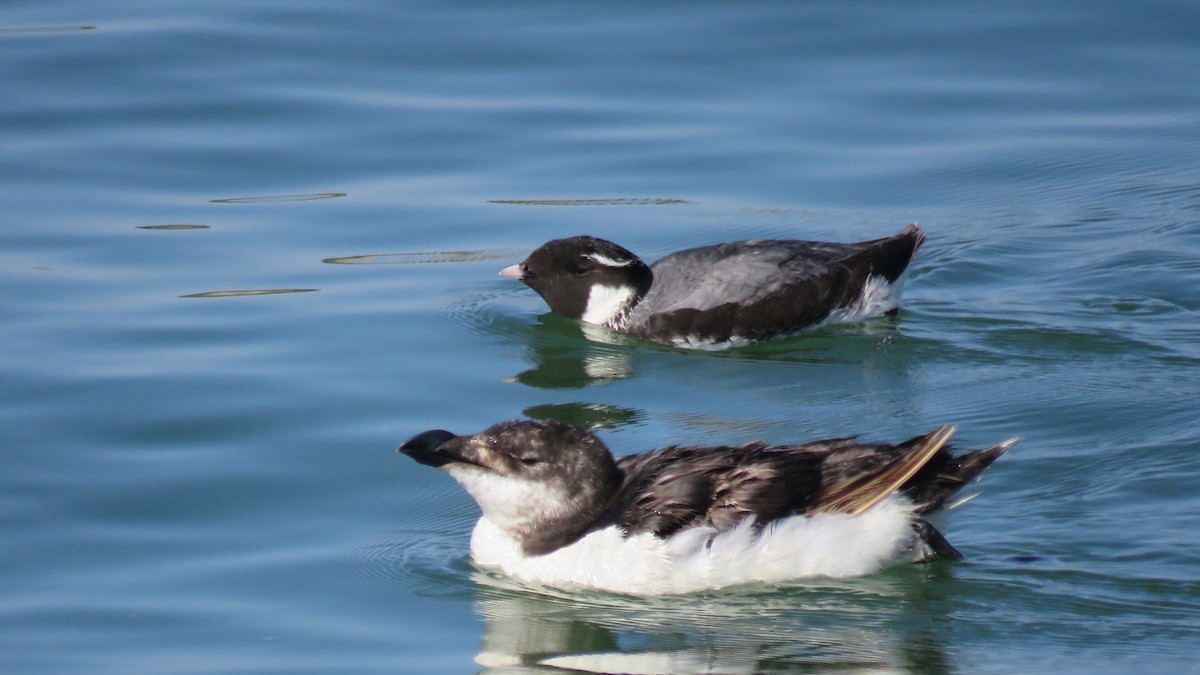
[509, 502]
[606, 303]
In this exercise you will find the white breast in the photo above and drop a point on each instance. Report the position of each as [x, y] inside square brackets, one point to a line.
[606, 303]
[833, 545]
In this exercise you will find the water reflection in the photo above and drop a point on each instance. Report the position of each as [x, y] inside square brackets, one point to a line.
[882, 623]
[588, 415]
[563, 361]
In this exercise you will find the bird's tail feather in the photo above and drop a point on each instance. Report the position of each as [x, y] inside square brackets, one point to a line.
[858, 495]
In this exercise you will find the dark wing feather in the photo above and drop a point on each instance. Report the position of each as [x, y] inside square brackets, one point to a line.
[658, 496]
[677, 487]
[684, 486]
[668, 489]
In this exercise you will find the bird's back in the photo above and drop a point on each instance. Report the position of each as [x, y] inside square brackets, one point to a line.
[741, 272]
[678, 487]
[752, 290]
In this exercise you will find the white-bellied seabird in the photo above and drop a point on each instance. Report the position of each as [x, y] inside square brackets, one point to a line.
[559, 510]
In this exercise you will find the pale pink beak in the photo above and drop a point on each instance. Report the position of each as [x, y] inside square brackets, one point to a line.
[512, 272]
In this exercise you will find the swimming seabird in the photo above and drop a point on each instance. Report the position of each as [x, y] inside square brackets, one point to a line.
[557, 509]
[722, 295]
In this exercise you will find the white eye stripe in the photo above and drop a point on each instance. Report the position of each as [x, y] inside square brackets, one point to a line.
[607, 261]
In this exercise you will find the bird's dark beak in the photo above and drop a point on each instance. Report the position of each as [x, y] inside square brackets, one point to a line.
[513, 272]
[424, 447]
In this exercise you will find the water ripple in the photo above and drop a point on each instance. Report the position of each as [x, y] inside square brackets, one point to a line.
[44, 29]
[620, 201]
[239, 293]
[427, 553]
[417, 258]
[268, 199]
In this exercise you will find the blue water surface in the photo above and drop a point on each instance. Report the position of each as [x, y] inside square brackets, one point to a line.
[247, 248]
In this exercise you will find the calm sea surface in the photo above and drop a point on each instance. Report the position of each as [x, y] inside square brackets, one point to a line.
[248, 247]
